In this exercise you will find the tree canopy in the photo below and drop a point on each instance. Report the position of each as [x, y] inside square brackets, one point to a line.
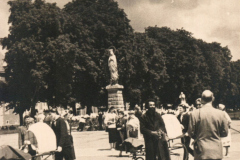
[59, 56]
[35, 44]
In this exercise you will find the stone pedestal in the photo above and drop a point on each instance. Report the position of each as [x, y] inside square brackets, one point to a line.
[115, 97]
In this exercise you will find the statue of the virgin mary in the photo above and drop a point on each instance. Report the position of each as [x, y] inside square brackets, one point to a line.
[112, 64]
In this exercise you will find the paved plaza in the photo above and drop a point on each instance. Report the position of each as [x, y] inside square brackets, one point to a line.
[93, 145]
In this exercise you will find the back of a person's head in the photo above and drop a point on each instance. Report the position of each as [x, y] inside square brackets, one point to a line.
[111, 108]
[40, 117]
[207, 97]
[198, 101]
[121, 112]
[29, 121]
[137, 108]
[54, 111]
[24, 119]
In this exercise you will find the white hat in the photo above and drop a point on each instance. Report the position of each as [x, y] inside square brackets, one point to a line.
[221, 106]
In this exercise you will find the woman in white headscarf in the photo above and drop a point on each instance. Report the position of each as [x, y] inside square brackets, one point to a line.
[133, 126]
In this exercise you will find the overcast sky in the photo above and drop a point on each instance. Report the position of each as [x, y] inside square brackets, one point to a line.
[210, 20]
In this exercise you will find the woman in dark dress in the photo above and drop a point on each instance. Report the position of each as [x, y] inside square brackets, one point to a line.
[121, 128]
[110, 121]
[67, 119]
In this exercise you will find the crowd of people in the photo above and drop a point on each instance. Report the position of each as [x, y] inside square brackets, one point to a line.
[205, 129]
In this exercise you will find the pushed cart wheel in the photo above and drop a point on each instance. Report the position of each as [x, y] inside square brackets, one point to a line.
[139, 158]
[177, 152]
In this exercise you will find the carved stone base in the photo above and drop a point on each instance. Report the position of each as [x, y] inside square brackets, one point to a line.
[115, 97]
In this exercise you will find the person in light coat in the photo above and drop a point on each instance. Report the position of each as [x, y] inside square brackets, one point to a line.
[133, 125]
[206, 126]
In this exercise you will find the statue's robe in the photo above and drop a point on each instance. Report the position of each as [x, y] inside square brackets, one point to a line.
[112, 64]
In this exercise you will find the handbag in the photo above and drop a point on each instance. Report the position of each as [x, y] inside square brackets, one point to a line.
[106, 129]
[197, 147]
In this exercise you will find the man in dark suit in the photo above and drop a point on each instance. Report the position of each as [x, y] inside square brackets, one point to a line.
[183, 118]
[100, 120]
[64, 143]
[206, 126]
[153, 129]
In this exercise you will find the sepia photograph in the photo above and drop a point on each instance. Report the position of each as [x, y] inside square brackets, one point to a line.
[120, 80]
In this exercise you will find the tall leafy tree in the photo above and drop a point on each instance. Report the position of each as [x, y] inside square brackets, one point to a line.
[235, 85]
[106, 25]
[59, 56]
[31, 58]
[61, 60]
[144, 71]
[192, 65]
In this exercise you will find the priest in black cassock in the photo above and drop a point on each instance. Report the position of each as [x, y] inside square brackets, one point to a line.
[154, 132]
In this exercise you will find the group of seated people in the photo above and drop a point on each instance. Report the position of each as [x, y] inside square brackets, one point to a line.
[90, 123]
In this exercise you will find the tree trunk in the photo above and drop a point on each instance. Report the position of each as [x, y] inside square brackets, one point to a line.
[21, 118]
[89, 109]
[33, 112]
[73, 108]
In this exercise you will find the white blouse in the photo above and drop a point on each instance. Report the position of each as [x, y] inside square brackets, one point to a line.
[110, 120]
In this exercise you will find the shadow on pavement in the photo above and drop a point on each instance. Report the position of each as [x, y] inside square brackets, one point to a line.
[104, 149]
[117, 156]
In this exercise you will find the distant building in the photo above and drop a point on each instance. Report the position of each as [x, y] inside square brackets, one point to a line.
[2, 72]
[2, 77]
[7, 117]
[82, 110]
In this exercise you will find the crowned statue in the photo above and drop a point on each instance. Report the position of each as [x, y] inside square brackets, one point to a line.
[112, 64]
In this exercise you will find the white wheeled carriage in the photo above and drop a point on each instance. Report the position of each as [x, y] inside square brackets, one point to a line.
[174, 132]
[46, 140]
[44, 144]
